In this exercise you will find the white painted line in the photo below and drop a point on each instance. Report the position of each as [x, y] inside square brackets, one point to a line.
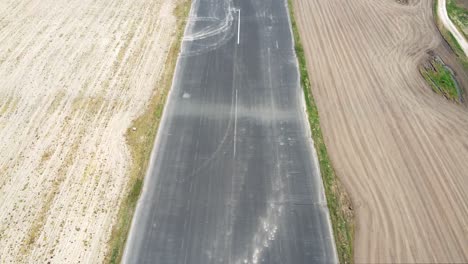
[238, 28]
[235, 126]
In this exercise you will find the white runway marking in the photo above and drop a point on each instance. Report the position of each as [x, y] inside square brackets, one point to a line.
[238, 28]
[235, 125]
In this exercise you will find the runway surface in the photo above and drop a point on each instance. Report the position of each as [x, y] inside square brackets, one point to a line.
[234, 177]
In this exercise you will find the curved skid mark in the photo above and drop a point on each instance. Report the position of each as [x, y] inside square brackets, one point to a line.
[203, 48]
[213, 30]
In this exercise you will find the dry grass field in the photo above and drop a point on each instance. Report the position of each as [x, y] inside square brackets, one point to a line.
[400, 149]
[73, 75]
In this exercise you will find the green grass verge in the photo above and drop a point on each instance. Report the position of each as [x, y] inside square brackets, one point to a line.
[339, 204]
[458, 15]
[142, 139]
[453, 43]
[441, 80]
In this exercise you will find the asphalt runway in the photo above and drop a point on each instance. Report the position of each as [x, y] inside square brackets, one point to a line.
[234, 177]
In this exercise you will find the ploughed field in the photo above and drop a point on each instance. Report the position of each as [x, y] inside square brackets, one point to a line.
[73, 75]
[400, 149]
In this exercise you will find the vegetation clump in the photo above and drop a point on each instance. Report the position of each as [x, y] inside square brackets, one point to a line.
[441, 79]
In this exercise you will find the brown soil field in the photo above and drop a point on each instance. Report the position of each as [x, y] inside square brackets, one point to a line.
[73, 76]
[463, 3]
[400, 150]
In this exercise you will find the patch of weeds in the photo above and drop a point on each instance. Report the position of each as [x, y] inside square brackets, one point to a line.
[441, 79]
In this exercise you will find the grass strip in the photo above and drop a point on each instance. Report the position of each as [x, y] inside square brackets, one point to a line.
[338, 202]
[458, 15]
[449, 38]
[142, 139]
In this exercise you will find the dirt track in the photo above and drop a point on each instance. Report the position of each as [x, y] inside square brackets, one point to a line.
[450, 26]
[73, 74]
[400, 149]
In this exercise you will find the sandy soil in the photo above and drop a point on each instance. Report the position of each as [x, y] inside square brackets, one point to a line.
[400, 149]
[73, 74]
